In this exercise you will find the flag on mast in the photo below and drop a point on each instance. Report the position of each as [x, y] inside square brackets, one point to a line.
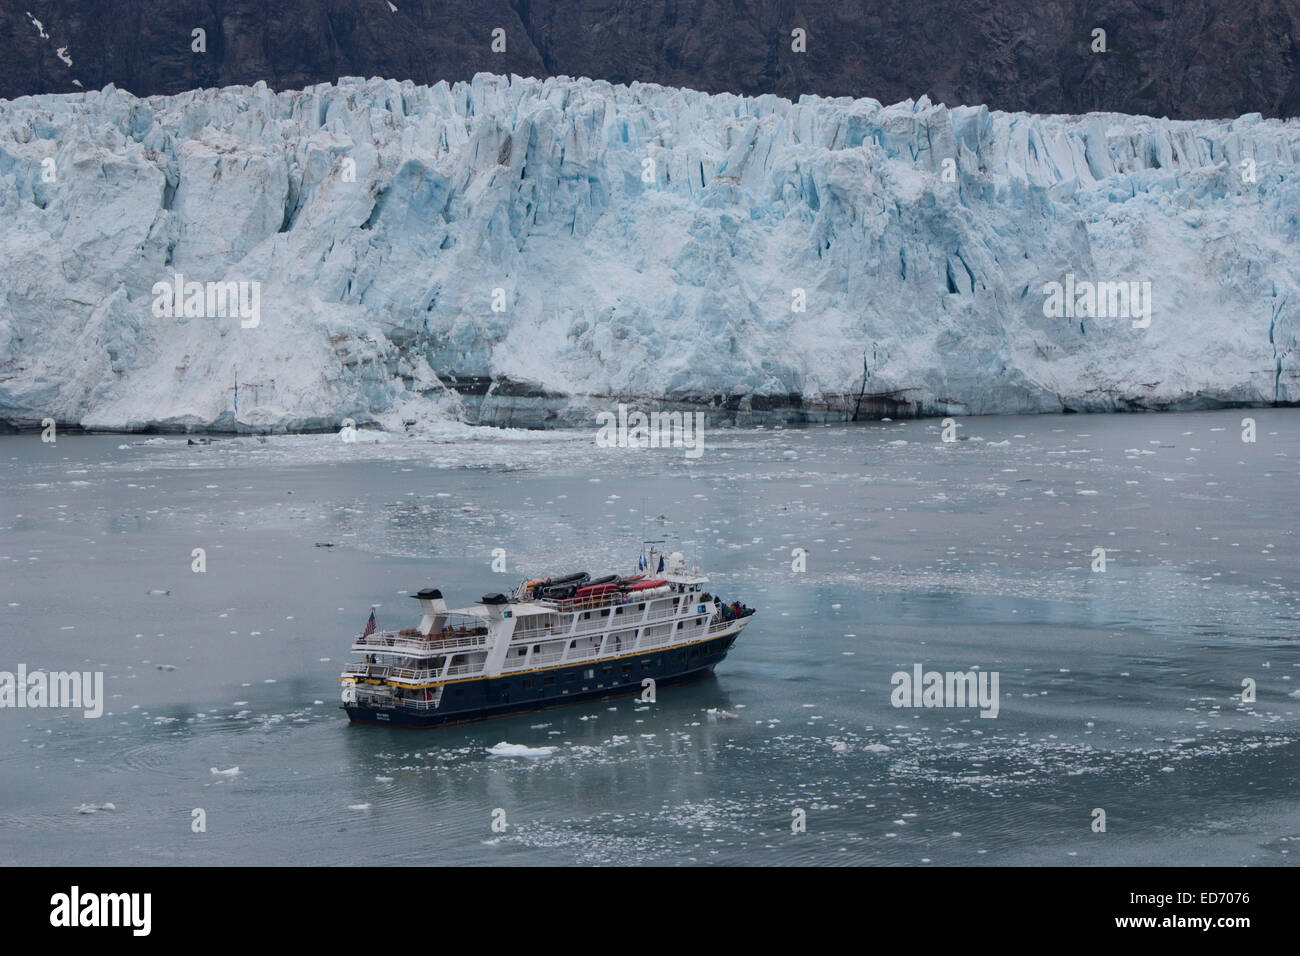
[370, 626]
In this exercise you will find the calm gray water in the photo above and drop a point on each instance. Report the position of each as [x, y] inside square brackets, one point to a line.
[1120, 690]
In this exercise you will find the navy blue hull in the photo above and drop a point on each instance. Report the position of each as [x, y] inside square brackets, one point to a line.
[518, 693]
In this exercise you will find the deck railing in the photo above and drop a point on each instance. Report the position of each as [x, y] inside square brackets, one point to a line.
[462, 669]
[602, 600]
[527, 663]
[415, 675]
[666, 614]
[411, 704]
[363, 670]
[583, 604]
[446, 641]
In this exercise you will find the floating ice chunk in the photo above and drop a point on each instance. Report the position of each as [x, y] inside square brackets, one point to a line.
[504, 749]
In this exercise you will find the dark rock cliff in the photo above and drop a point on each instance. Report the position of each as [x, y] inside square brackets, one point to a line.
[1181, 58]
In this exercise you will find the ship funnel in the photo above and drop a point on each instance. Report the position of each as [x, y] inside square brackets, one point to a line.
[433, 607]
[496, 605]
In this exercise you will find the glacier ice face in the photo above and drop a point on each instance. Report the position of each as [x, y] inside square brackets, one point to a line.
[640, 243]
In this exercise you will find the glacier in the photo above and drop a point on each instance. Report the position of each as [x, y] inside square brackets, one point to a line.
[514, 251]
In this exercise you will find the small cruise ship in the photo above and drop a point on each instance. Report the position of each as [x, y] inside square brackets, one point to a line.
[552, 641]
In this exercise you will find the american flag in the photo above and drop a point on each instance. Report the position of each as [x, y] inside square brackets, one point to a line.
[370, 626]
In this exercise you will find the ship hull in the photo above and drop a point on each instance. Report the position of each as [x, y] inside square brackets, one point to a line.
[484, 698]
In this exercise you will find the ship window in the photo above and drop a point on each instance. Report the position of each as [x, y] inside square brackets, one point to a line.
[586, 614]
[572, 644]
[548, 680]
[679, 625]
[589, 673]
[524, 650]
[606, 671]
[605, 613]
[537, 648]
[618, 610]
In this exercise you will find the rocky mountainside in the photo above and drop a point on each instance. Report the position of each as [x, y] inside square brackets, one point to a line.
[1184, 59]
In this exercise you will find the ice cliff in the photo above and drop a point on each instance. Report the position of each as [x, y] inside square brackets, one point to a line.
[518, 251]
